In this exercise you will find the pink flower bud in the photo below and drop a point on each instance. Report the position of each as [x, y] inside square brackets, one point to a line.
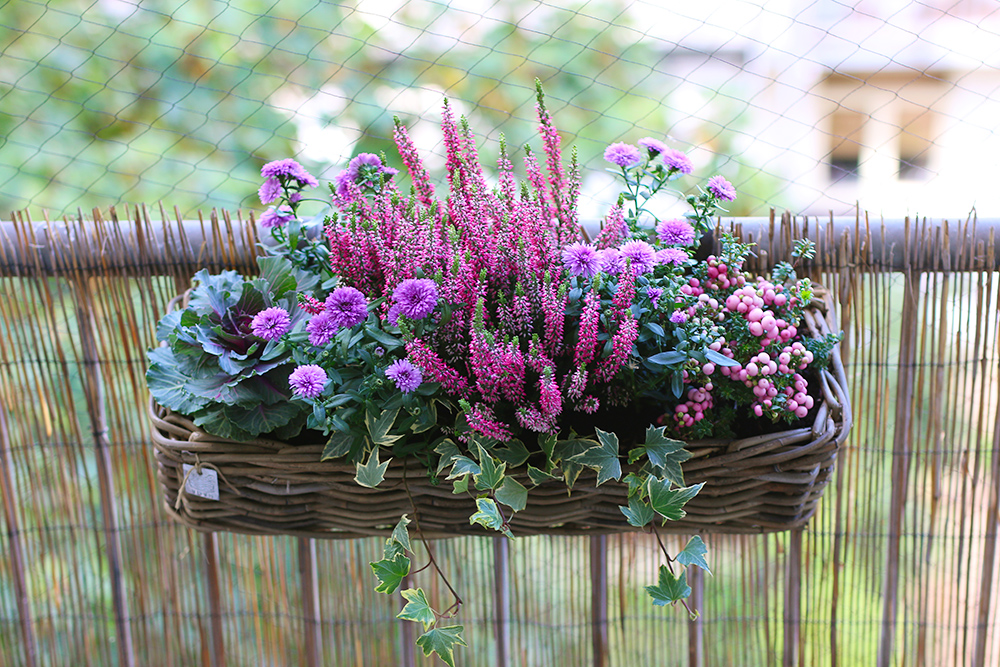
[756, 329]
[759, 411]
[708, 368]
[801, 411]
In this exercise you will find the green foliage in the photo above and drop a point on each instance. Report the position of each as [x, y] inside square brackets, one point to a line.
[417, 608]
[390, 572]
[372, 472]
[670, 589]
[442, 641]
[490, 516]
[694, 554]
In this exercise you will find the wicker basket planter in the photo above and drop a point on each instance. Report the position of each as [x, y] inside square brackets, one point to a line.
[766, 483]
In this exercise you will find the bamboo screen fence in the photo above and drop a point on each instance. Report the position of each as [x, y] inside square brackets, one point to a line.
[898, 567]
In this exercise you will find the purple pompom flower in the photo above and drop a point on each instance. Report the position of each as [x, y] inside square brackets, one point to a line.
[346, 306]
[622, 154]
[288, 168]
[654, 146]
[675, 232]
[642, 255]
[581, 259]
[678, 317]
[677, 161]
[322, 328]
[269, 191]
[654, 294]
[276, 217]
[308, 381]
[674, 256]
[415, 298]
[405, 375]
[612, 261]
[271, 323]
[721, 188]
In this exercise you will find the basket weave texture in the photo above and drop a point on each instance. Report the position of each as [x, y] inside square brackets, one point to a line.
[765, 483]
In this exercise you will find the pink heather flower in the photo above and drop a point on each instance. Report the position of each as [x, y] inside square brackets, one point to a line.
[415, 298]
[721, 188]
[623, 155]
[678, 317]
[642, 255]
[288, 168]
[654, 146]
[674, 256]
[430, 363]
[276, 217]
[347, 306]
[482, 420]
[550, 399]
[322, 328]
[612, 261]
[581, 259]
[677, 161]
[405, 375]
[270, 324]
[675, 232]
[308, 381]
[587, 335]
[269, 191]
[615, 229]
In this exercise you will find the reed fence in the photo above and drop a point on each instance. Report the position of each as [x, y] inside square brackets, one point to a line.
[899, 565]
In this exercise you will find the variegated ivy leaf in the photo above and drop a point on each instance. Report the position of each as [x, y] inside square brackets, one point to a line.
[489, 516]
[512, 494]
[603, 458]
[669, 503]
[694, 554]
[460, 485]
[442, 641]
[539, 476]
[417, 608]
[390, 573]
[401, 534]
[669, 589]
[463, 465]
[371, 473]
[379, 423]
[491, 471]
[637, 513]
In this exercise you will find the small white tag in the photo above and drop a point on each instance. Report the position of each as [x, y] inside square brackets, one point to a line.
[204, 484]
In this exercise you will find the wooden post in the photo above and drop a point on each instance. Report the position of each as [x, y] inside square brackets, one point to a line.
[308, 580]
[94, 392]
[218, 648]
[696, 628]
[501, 598]
[793, 599]
[599, 598]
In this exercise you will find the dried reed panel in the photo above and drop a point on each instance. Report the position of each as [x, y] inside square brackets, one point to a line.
[900, 560]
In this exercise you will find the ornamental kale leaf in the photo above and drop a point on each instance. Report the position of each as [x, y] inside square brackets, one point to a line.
[213, 368]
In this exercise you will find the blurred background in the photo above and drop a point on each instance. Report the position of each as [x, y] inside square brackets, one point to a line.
[812, 107]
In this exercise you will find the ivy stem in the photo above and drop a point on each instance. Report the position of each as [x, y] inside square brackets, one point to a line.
[430, 554]
[670, 567]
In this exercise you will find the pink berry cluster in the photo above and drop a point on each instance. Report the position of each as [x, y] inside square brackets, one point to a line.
[754, 327]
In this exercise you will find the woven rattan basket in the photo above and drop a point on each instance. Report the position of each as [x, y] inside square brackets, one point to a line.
[762, 484]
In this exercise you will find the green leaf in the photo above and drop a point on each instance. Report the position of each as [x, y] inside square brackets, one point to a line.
[667, 358]
[603, 458]
[539, 476]
[694, 554]
[460, 485]
[637, 513]
[719, 359]
[664, 453]
[417, 608]
[514, 454]
[276, 272]
[669, 589]
[668, 502]
[338, 445]
[448, 450]
[167, 383]
[547, 443]
[489, 516]
[636, 485]
[379, 424]
[442, 641]
[463, 465]
[512, 494]
[390, 573]
[382, 338]
[491, 472]
[401, 534]
[371, 473]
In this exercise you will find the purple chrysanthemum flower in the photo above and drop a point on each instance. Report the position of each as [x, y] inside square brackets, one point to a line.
[678, 317]
[654, 294]
[308, 381]
[612, 261]
[290, 169]
[642, 255]
[622, 154]
[675, 232]
[322, 328]
[269, 191]
[276, 217]
[271, 323]
[677, 161]
[721, 188]
[581, 259]
[674, 256]
[654, 146]
[346, 306]
[405, 375]
[416, 298]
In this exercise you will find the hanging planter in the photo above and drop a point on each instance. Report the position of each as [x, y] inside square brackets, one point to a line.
[479, 364]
